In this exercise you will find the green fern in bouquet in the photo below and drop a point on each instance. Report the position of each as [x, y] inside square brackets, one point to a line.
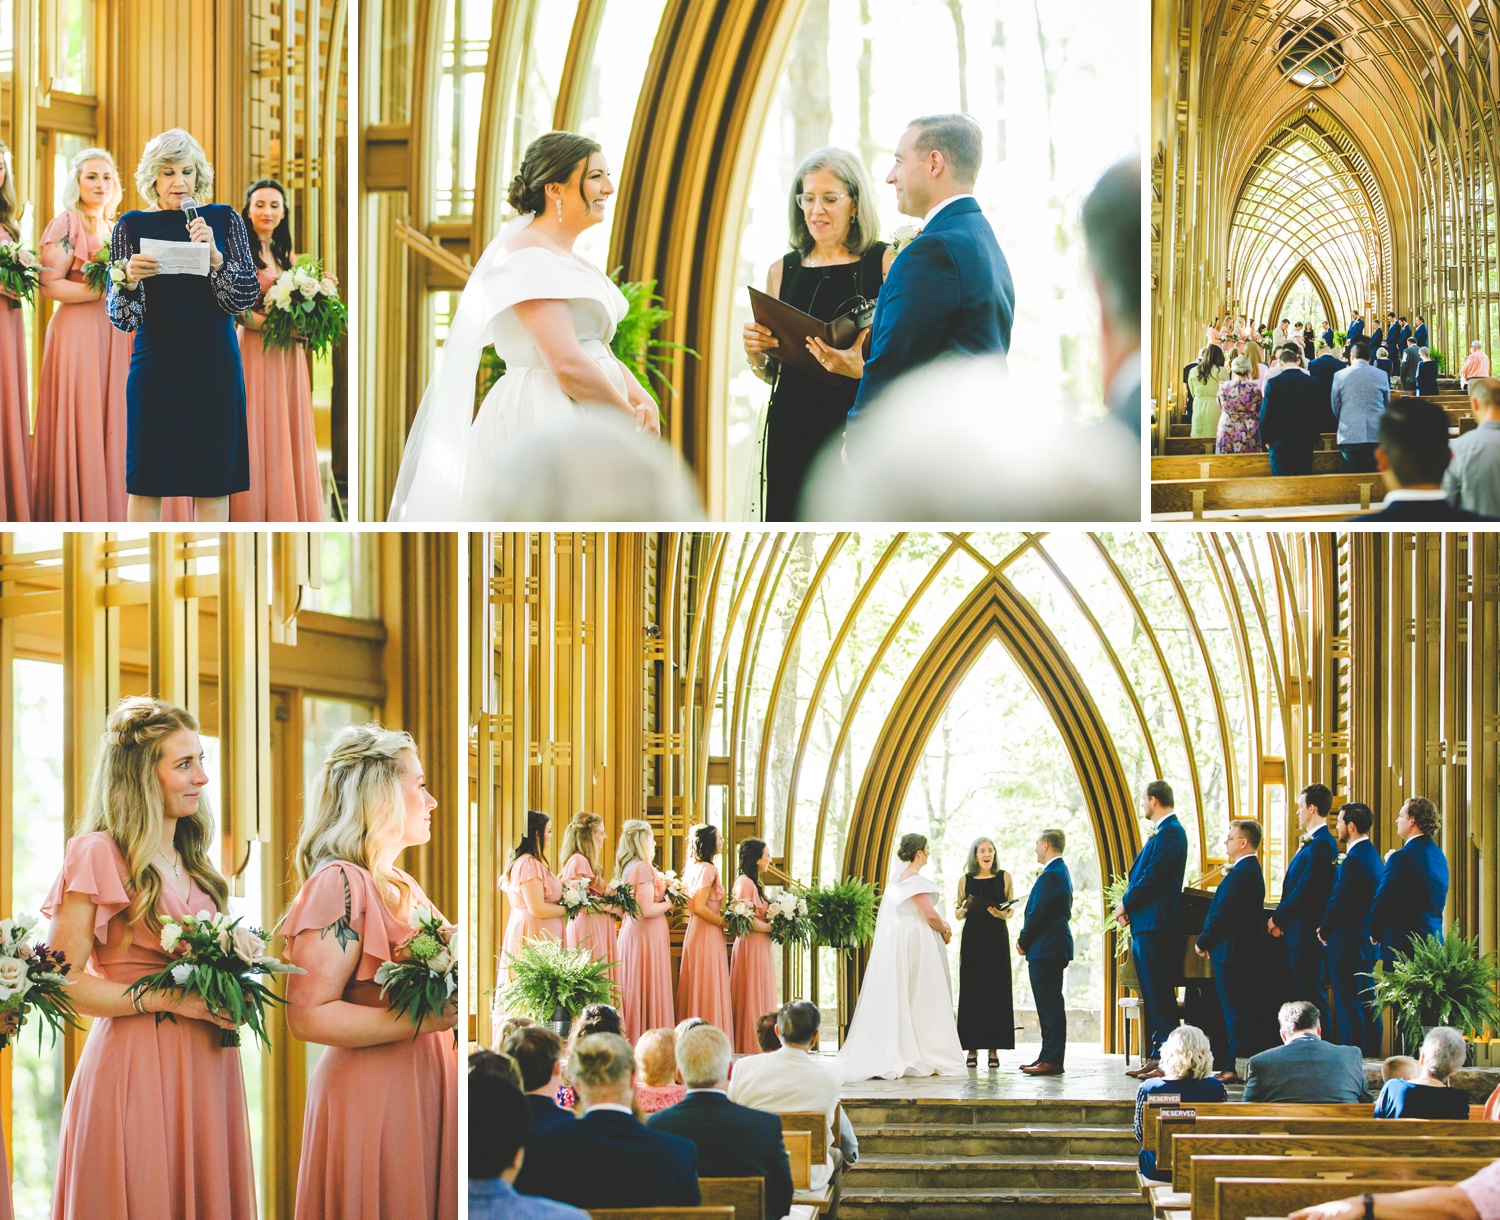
[842, 915]
[1441, 982]
[547, 975]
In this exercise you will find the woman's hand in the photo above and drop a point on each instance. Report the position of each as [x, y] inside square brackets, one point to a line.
[192, 1006]
[142, 267]
[647, 420]
[998, 913]
[847, 362]
[759, 341]
[11, 1022]
[947, 932]
[7, 292]
[438, 1022]
[199, 231]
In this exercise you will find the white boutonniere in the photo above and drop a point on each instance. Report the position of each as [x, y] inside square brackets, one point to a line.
[904, 236]
[1304, 839]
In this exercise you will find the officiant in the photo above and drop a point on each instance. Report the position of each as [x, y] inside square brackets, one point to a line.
[837, 259]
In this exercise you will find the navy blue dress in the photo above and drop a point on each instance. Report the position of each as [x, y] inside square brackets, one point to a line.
[185, 396]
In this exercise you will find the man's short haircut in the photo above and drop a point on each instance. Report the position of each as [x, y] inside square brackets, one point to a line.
[499, 1110]
[1298, 1017]
[765, 1032]
[1055, 839]
[1319, 797]
[798, 1021]
[1358, 815]
[1359, 349]
[1485, 391]
[1251, 831]
[703, 1056]
[959, 138]
[536, 1050]
[1291, 354]
[1161, 792]
[1112, 237]
[1414, 435]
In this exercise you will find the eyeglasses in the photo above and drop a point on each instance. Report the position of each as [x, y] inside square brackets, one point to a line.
[828, 200]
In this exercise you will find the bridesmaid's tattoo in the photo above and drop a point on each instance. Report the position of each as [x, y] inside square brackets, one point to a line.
[340, 928]
[64, 243]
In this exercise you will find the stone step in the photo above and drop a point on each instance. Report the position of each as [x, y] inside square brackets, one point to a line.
[999, 1139]
[992, 1174]
[960, 1204]
[883, 1111]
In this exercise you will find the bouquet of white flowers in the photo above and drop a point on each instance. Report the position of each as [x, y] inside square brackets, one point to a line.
[738, 917]
[34, 975]
[424, 977]
[621, 896]
[787, 915]
[99, 272]
[576, 899]
[676, 895]
[218, 959]
[20, 269]
[303, 306]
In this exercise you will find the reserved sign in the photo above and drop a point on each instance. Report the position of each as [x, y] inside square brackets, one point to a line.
[1185, 1112]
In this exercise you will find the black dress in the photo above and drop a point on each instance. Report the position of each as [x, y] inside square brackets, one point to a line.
[805, 413]
[986, 1017]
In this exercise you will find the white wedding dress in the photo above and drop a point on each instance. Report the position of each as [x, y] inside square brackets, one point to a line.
[446, 467]
[903, 1024]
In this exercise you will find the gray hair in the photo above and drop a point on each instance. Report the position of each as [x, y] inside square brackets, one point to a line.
[1423, 354]
[1443, 1052]
[1186, 1054]
[958, 137]
[1298, 1017]
[798, 1021]
[167, 149]
[703, 1055]
[71, 192]
[864, 224]
[1240, 367]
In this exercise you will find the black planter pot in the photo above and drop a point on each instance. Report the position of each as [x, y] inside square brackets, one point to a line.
[562, 1022]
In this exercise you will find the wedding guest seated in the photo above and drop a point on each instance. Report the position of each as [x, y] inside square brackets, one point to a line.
[1412, 456]
[497, 1149]
[629, 1165]
[1187, 1061]
[1291, 415]
[498, 1063]
[765, 1032]
[1399, 1067]
[1472, 479]
[1492, 1106]
[655, 1053]
[1475, 1198]
[1305, 1068]
[688, 1023]
[509, 1026]
[1429, 1095]
[1427, 373]
[594, 1019]
[538, 1053]
[734, 1141]
[1383, 361]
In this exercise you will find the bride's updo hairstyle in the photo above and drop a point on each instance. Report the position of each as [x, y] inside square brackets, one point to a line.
[125, 802]
[549, 158]
[910, 846]
[705, 842]
[356, 809]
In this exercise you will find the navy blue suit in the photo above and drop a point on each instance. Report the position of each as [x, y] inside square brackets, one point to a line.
[1420, 335]
[1153, 900]
[1409, 900]
[1292, 411]
[1356, 331]
[1346, 931]
[949, 290]
[1427, 378]
[1047, 942]
[733, 1141]
[608, 1159]
[545, 1111]
[1234, 937]
[1423, 510]
[1328, 337]
[1375, 341]
[1304, 895]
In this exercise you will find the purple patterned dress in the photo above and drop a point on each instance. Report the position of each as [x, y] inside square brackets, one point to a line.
[1239, 418]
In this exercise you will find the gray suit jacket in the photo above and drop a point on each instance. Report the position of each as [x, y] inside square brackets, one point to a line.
[1307, 1070]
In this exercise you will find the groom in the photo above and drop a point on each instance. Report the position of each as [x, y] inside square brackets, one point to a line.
[1046, 942]
[949, 289]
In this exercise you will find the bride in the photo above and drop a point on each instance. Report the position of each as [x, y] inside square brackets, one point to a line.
[903, 1024]
[550, 316]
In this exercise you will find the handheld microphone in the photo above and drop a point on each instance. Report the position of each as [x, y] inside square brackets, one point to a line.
[190, 210]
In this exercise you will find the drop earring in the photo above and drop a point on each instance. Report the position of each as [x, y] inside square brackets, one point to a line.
[559, 211]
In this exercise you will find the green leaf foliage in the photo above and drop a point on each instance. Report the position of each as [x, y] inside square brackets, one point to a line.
[547, 975]
[1441, 982]
[317, 323]
[842, 914]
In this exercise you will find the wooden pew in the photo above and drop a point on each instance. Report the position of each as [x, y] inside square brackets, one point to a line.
[1198, 496]
[661, 1213]
[1233, 465]
[1150, 1115]
[813, 1127]
[746, 1196]
[1209, 1169]
[798, 1153]
[1245, 1198]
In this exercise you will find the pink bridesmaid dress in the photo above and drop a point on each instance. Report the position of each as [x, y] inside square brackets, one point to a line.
[703, 977]
[646, 959]
[155, 1123]
[752, 975]
[15, 414]
[283, 447]
[523, 925]
[78, 463]
[593, 930]
[380, 1127]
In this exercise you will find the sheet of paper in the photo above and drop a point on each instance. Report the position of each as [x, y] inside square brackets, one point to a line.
[177, 257]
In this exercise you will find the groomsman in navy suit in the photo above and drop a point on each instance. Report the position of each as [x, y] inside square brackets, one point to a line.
[1409, 901]
[1346, 932]
[1304, 895]
[1152, 910]
[1356, 330]
[1421, 333]
[1234, 939]
[949, 289]
[1046, 942]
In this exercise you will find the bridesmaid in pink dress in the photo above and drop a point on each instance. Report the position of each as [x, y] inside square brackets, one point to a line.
[703, 977]
[752, 975]
[582, 848]
[155, 1122]
[645, 943]
[78, 463]
[380, 1129]
[278, 387]
[533, 891]
[15, 414]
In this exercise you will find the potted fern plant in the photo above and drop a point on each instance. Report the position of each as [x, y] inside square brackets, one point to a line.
[842, 918]
[552, 984]
[1441, 982]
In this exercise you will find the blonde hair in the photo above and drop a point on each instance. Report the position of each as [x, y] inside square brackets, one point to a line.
[71, 191]
[1186, 1054]
[125, 802]
[656, 1056]
[600, 1064]
[578, 837]
[167, 149]
[632, 846]
[356, 807]
[10, 208]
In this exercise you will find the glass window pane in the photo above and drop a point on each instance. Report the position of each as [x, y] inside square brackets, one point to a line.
[73, 50]
[348, 572]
